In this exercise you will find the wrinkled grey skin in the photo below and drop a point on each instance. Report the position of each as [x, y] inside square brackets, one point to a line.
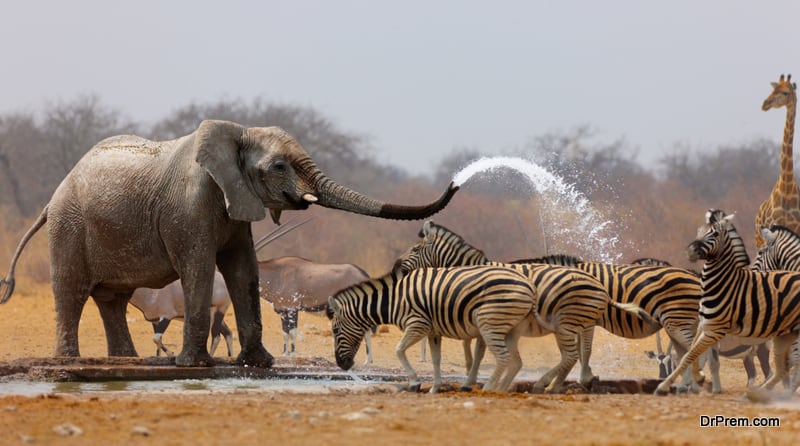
[137, 213]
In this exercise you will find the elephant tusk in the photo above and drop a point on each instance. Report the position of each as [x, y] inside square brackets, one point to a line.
[276, 216]
[311, 198]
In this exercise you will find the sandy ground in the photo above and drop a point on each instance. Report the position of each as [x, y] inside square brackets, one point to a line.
[358, 414]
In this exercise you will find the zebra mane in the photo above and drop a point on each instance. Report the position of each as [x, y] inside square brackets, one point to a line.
[553, 259]
[781, 228]
[447, 234]
[650, 261]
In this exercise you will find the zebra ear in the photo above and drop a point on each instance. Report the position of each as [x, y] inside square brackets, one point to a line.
[728, 218]
[426, 227]
[427, 230]
[333, 306]
[768, 235]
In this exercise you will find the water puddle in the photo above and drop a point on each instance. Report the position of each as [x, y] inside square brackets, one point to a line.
[32, 388]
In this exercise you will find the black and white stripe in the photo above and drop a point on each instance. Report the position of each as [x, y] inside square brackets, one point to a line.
[462, 303]
[570, 301]
[741, 302]
[669, 296]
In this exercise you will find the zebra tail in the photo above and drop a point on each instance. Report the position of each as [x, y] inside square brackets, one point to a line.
[636, 310]
[542, 323]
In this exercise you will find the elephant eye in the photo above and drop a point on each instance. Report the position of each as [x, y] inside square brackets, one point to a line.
[279, 166]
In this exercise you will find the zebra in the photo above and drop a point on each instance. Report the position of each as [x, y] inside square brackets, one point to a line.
[739, 301]
[570, 301]
[729, 347]
[780, 251]
[462, 303]
[670, 297]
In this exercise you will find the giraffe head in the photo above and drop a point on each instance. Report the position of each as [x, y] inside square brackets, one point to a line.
[783, 93]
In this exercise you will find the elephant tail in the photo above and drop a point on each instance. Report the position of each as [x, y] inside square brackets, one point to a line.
[7, 284]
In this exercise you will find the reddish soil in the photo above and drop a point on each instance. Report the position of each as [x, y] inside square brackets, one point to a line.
[361, 414]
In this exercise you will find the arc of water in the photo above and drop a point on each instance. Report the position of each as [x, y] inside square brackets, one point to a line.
[591, 225]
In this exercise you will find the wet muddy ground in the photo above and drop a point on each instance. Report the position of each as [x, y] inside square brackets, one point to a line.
[339, 408]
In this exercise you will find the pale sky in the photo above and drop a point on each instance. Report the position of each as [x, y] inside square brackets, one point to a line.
[420, 78]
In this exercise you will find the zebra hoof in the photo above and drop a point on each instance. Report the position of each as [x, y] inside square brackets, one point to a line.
[465, 389]
[415, 388]
[660, 392]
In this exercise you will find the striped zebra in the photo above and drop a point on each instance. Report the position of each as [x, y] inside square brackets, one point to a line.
[741, 302]
[570, 301]
[462, 303]
[780, 251]
[729, 347]
[670, 296]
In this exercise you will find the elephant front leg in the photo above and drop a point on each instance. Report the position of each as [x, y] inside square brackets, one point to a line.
[240, 270]
[197, 283]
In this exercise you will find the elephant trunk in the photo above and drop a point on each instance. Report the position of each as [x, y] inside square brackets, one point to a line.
[334, 195]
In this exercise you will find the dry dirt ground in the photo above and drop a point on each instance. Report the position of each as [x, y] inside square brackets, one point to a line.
[362, 414]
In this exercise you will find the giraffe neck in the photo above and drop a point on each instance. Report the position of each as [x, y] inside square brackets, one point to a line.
[787, 163]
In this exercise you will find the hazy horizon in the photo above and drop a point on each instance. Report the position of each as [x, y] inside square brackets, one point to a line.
[423, 78]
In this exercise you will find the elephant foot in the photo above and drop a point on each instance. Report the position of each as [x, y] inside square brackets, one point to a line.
[258, 357]
[194, 360]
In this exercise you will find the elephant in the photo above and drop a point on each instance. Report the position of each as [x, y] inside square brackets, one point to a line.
[139, 213]
[292, 284]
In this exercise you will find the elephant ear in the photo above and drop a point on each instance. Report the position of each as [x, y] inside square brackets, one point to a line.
[218, 144]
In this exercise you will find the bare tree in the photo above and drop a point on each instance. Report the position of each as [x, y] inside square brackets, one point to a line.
[72, 128]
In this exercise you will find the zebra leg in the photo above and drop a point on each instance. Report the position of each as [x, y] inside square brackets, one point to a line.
[567, 341]
[435, 343]
[794, 361]
[781, 345]
[586, 339]
[713, 365]
[496, 342]
[681, 342]
[422, 351]
[702, 342]
[472, 376]
[515, 364]
[411, 335]
[467, 345]
[368, 346]
[762, 353]
[749, 363]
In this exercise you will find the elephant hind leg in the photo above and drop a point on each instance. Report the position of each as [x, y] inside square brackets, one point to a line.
[118, 337]
[69, 307]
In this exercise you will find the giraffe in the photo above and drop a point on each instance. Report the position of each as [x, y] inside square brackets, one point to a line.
[783, 205]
